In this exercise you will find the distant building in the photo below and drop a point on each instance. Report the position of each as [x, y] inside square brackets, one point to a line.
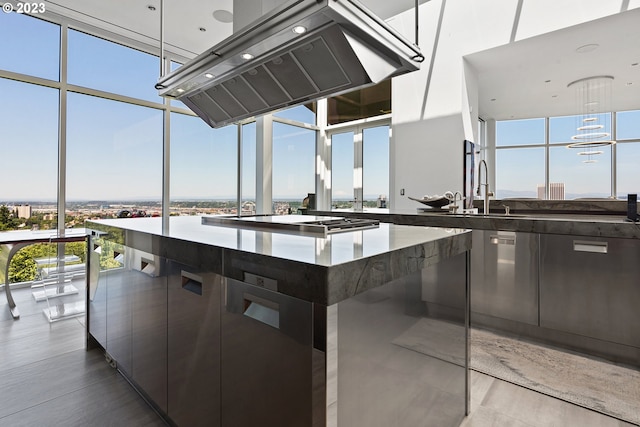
[24, 211]
[556, 191]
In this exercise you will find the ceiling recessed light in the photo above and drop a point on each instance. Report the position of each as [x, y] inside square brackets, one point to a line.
[208, 75]
[223, 16]
[247, 56]
[299, 29]
[180, 90]
[587, 48]
[151, 7]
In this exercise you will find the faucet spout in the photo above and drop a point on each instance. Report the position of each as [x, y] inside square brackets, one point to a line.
[487, 192]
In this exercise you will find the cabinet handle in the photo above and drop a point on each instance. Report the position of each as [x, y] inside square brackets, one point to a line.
[191, 282]
[262, 310]
[502, 240]
[587, 246]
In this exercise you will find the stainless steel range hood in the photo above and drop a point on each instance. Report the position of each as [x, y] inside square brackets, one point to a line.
[301, 51]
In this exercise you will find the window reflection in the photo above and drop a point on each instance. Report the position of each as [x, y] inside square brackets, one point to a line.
[359, 104]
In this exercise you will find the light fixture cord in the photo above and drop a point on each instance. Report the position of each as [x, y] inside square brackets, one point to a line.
[417, 22]
[162, 64]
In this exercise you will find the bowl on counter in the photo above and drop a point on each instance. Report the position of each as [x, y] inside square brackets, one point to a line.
[433, 201]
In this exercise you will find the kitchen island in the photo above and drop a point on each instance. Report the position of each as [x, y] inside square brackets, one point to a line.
[559, 272]
[234, 327]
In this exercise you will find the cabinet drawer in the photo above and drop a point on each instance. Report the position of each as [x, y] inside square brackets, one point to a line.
[591, 287]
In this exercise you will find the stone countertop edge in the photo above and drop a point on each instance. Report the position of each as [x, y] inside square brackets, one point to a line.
[323, 284]
[612, 226]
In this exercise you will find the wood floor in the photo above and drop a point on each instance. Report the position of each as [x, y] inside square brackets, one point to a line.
[48, 379]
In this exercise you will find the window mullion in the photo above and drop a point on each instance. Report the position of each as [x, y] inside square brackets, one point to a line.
[62, 130]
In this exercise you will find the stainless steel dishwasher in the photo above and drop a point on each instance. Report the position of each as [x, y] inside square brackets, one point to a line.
[504, 276]
[266, 357]
[591, 287]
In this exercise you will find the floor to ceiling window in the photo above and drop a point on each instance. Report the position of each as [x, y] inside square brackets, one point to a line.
[38, 51]
[248, 174]
[29, 154]
[294, 153]
[114, 158]
[375, 164]
[111, 128]
[29, 121]
[359, 133]
[627, 153]
[533, 158]
[203, 167]
[293, 163]
[360, 166]
[103, 65]
[342, 170]
[115, 142]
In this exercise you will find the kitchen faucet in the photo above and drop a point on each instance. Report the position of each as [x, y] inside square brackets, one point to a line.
[487, 193]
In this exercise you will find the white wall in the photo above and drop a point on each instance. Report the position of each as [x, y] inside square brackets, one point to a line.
[435, 109]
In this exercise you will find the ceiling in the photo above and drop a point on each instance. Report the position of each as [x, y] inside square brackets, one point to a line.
[524, 79]
[529, 78]
[190, 25]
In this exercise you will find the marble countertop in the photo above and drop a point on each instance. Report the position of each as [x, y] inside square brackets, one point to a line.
[550, 222]
[325, 270]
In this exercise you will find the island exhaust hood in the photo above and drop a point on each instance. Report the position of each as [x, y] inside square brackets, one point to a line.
[301, 51]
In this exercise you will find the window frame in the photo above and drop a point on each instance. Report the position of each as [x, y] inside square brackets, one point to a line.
[547, 145]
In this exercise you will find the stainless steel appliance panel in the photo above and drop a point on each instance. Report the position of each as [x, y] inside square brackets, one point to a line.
[591, 287]
[119, 317]
[97, 300]
[148, 283]
[266, 357]
[193, 346]
[504, 277]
